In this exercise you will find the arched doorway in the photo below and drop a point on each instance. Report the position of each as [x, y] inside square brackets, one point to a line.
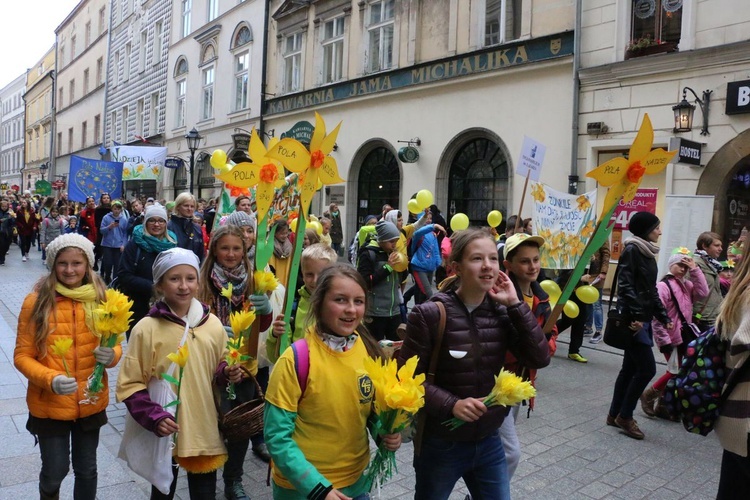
[478, 179]
[379, 182]
[728, 172]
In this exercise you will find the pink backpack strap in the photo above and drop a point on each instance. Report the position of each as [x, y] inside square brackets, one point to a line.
[301, 362]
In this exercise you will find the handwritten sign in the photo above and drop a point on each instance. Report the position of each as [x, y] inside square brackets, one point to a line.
[532, 157]
[565, 221]
[140, 162]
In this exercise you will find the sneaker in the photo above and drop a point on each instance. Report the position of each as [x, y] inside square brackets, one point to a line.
[24, 258]
[578, 358]
[630, 427]
[235, 491]
[596, 338]
[587, 332]
[261, 452]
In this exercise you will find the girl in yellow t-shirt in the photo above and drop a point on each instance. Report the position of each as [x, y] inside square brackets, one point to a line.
[318, 437]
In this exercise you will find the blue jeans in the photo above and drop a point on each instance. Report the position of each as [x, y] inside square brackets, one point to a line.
[595, 316]
[56, 452]
[638, 368]
[481, 464]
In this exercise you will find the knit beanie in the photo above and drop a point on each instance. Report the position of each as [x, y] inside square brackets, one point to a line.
[386, 231]
[168, 259]
[642, 223]
[153, 212]
[69, 240]
[677, 255]
[240, 218]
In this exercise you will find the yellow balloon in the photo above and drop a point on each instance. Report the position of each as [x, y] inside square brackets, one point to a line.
[494, 218]
[413, 206]
[552, 289]
[424, 199]
[219, 159]
[459, 222]
[587, 294]
[293, 225]
[571, 309]
[317, 226]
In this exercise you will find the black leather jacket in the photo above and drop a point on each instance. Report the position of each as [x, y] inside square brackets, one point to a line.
[637, 296]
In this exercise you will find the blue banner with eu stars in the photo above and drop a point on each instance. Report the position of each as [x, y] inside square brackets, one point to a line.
[94, 177]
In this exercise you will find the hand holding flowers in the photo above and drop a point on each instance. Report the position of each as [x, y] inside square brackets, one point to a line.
[398, 397]
[111, 321]
[509, 390]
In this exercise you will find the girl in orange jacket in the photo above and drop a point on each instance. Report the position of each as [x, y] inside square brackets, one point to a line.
[57, 351]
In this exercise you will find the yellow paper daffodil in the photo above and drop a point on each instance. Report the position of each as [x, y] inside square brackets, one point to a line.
[265, 281]
[240, 321]
[682, 251]
[313, 164]
[227, 292]
[112, 317]
[61, 346]
[180, 357]
[261, 171]
[623, 176]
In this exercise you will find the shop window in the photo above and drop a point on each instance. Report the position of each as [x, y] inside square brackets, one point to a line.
[379, 183]
[478, 181]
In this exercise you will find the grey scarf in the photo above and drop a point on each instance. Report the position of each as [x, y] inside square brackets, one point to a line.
[647, 248]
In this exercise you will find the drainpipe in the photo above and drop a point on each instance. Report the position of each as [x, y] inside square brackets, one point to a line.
[264, 71]
[53, 120]
[573, 177]
[102, 150]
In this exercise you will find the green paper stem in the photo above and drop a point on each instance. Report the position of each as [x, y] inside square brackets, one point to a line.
[291, 288]
[603, 230]
[264, 243]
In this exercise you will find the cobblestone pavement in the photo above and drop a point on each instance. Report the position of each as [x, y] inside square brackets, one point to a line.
[568, 451]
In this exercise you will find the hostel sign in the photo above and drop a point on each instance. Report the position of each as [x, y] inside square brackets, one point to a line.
[485, 60]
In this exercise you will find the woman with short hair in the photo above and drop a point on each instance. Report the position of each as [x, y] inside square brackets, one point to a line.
[189, 234]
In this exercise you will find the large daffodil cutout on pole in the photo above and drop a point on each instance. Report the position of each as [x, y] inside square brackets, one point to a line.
[311, 165]
[265, 173]
[623, 176]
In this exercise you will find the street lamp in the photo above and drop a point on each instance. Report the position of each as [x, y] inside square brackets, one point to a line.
[193, 139]
[683, 111]
[43, 169]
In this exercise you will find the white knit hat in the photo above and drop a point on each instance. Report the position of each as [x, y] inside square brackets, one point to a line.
[168, 259]
[153, 211]
[69, 240]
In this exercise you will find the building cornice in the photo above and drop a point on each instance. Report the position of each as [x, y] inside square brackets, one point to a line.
[664, 64]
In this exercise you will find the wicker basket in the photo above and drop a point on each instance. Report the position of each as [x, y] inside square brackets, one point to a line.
[243, 421]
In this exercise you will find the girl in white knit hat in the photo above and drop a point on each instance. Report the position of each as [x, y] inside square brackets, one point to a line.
[57, 351]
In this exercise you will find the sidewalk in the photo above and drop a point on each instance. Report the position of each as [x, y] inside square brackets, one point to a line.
[568, 451]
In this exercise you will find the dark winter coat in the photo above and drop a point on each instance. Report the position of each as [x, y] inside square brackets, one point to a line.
[24, 227]
[383, 283]
[189, 234]
[136, 279]
[637, 296]
[471, 354]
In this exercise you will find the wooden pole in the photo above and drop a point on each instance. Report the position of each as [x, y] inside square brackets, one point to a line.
[523, 198]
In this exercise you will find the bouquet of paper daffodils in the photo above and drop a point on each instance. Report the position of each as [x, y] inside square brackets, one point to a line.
[265, 282]
[398, 397]
[111, 321]
[509, 390]
[240, 323]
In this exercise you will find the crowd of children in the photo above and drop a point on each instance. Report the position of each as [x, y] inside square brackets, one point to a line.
[186, 280]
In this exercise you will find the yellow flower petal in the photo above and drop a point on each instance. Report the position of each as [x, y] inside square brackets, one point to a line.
[243, 175]
[292, 154]
[329, 172]
[256, 149]
[227, 292]
[319, 133]
[656, 160]
[61, 346]
[264, 198]
[643, 140]
[610, 172]
[180, 357]
[326, 146]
